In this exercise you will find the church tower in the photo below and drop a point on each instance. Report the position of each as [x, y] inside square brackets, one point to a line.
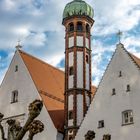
[78, 20]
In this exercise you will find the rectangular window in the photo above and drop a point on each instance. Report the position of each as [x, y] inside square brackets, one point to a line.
[16, 68]
[70, 115]
[113, 91]
[127, 117]
[71, 71]
[14, 97]
[101, 124]
[128, 88]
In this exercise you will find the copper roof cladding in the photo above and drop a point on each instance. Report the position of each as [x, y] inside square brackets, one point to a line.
[49, 82]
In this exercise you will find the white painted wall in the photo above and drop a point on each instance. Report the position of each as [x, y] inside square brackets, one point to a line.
[79, 108]
[109, 108]
[80, 69]
[70, 105]
[22, 82]
[87, 100]
[87, 76]
[71, 55]
[79, 41]
[70, 84]
[71, 41]
[87, 43]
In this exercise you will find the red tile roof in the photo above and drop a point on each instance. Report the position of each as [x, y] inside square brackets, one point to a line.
[49, 82]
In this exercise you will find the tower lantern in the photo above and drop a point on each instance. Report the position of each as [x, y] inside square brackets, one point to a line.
[78, 20]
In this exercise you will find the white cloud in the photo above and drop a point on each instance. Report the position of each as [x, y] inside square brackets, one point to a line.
[37, 23]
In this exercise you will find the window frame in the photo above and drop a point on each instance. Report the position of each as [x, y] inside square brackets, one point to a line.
[14, 96]
[70, 115]
[16, 68]
[130, 117]
[101, 124]
[71, 70]
[71, 27]
[79, 27]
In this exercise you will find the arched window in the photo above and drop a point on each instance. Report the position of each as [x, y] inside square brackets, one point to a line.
[87, 59]
[71, 27]
[79, 26]
[87, 28]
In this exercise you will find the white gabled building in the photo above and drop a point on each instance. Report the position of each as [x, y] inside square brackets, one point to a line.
[27, 79]
[115, 106]
[67, 113]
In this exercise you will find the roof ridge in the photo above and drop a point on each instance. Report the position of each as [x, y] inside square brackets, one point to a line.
[21, 51]
[132, 57]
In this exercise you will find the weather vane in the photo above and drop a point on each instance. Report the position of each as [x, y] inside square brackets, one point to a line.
[18, 45]
[119, 34]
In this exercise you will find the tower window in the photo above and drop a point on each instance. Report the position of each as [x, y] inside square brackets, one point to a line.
[79, 26]
[14, 97]
[128, 88]
[71, 27]
[87, 59]
[16, 68]
[87, 28]
[71, 71]
[70, 114]
[113, 91]
[127, 117]
[101, 124]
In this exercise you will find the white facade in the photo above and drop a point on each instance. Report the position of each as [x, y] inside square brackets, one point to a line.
[71, 41]
[80, 41]
[27, 92]
[80, 69]
[108, 107]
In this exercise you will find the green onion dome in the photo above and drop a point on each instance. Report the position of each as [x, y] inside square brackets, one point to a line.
[78, 7]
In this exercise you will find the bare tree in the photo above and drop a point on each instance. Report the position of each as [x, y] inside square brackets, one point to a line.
[16, 132]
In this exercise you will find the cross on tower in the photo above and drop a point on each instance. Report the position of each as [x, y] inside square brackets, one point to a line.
[18, 45]
[119, 34]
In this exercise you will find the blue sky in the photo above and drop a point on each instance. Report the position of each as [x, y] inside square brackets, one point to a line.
[37, 23]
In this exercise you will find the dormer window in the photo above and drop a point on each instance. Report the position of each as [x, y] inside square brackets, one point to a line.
[79, 26]
[16, 68]
[14, 97]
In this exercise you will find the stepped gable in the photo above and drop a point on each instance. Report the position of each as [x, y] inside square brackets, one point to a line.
[49, 82]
